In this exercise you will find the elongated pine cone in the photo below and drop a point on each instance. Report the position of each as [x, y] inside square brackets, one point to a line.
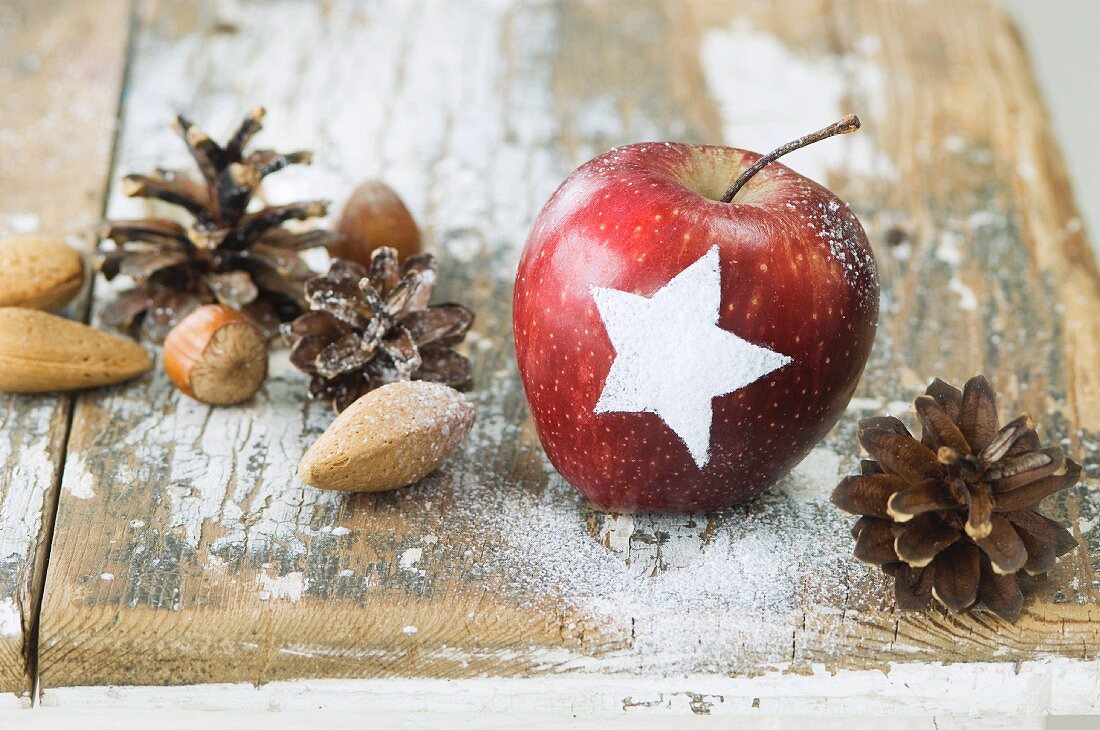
[369, 328]
[951, 516]
[245, 259]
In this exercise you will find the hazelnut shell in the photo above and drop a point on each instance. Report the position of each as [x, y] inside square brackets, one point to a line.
[373, 216]
[216, 355]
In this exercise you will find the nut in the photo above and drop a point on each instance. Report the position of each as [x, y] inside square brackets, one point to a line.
[374, 216]
[216, 355]
[41, 352]
[391, 437]
[39, 272]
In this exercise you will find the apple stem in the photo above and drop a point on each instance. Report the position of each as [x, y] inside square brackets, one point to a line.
[849, 123]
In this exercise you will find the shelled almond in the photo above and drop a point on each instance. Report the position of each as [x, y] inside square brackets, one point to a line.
[391, 437]
[42, 352]
[39, 272]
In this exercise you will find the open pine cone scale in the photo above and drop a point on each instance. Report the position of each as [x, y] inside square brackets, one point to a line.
[371, 327]
[226, 254]
[950, 515]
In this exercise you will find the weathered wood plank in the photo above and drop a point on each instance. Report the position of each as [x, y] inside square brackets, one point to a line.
[61, 67]
[187, 551]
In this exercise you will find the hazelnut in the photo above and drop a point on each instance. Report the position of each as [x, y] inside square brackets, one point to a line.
[374, 216]
[216, 355]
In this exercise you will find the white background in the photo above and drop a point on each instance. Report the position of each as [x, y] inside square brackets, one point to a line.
[1063, 38]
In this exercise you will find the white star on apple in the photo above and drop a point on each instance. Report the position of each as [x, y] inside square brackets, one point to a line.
[672, 358]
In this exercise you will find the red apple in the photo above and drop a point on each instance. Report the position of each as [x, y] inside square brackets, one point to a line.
[681, 353]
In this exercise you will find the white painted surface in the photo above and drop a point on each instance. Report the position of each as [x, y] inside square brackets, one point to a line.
[334, 719]
[655, 372]
[994, 692]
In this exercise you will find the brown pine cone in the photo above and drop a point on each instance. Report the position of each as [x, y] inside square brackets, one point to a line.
[225, 253]
[951, 516]
[367, 329]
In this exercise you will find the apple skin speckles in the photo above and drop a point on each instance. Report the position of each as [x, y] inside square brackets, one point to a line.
[797, 277]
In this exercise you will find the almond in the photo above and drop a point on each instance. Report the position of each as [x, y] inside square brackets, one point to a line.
[39, 272]
[41, 352]
[391, 437]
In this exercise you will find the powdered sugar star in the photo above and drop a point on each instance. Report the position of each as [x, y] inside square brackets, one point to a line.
[654, 372]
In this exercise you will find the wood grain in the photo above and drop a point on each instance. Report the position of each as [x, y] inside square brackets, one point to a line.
[186, 550]
[61, 67]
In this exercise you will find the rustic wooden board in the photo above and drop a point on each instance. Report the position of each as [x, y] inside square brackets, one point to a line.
[186, 550]
[61, 67]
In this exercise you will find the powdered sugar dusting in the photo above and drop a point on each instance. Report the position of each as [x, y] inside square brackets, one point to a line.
[814, 478]
[690, 590]
[841, 233]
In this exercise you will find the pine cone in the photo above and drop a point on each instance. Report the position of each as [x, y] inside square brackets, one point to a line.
[950, 516]
[369, 329]
[245, 260]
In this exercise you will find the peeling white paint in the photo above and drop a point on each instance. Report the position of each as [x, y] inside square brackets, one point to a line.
[616, 532]
[214, 564]
[410, 558]
[899, 407]
[29, 471]
[78, 480]
[950, 248]
[768, 92]
[968, 301]
[287, 587]
[11, 621]
[232, 511]
[955, 144]
[902, 251]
